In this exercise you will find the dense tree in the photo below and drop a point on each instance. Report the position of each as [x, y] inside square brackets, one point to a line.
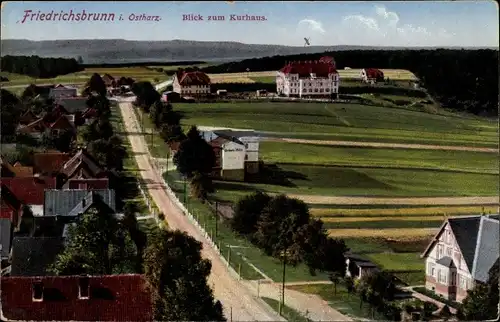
[97, 85]
[201, 186]
[39, 67]
[172, 133]
[162, 113]
[62, 141]
[177, 277]
[109, 152]
[247, 213]
[99, 129]
[101, 104]
[130, 223]
[146, 94]
[194, 155]
[96, 245]
[482, 301]
[10, 114]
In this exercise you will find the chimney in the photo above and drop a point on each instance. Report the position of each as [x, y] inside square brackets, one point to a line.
[83, 287]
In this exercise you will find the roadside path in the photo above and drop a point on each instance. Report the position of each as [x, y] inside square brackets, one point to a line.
[314, 199]
[238, 302]
[384, 145]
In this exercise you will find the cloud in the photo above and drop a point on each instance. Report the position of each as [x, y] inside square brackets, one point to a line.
[313, 25]
[366, 21]
[386, 26]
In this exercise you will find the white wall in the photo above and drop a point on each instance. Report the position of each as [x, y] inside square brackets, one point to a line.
[251, 148]
[233, 156]
[291, 84]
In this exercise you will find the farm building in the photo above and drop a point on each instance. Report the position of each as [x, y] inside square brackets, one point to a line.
[222, 92]
[191, 83]
[462, 254]
[308, 79]
[61, 91]
[237, 153]
[358, 267]
[170, 96]
[371, 75]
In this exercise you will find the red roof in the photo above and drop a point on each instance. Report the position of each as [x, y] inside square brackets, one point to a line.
[88, 184]
[61, 123]
[29, 190]
[305, 69]
[112, 298]
[374, 73]
[49, 162]
[192, 78]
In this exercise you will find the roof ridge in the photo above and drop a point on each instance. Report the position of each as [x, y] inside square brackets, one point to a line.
[478, 244]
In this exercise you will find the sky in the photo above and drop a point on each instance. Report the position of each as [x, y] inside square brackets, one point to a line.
[415, 23]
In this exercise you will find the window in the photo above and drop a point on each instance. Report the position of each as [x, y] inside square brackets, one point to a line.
[83, 288]
[433, 272]
[321, 90]
[246, 157]
[448, 251]
[327, 90]
[246, 145]
[462, 282]
[453, 279]
[439, 251]
[441, 277]
[448, 236]
[37, 291]
[315, 90]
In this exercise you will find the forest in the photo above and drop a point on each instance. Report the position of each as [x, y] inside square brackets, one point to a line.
[39, 67]
[462, 80]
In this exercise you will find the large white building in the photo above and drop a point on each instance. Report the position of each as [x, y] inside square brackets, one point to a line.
[191, 83]
[237, 153]
[308, 79]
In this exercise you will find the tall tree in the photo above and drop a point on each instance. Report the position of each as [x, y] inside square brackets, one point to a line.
[96, 84]
[201, 186]
[248, 211]
[194, 155]
[177, 277]
[10, 113]
[61, 141]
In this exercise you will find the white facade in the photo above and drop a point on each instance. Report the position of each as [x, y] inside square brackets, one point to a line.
[292, 84]
[60, 92]
[459, 276]
[190, 90]
[251, 148]
[233, 156]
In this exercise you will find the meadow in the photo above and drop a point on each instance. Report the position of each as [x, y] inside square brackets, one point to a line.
[348, 122]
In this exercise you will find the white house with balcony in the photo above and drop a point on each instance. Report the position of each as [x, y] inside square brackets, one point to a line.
[237, 153]
[308, 79]
[461, 254]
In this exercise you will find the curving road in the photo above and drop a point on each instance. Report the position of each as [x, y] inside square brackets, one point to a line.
[238, 301]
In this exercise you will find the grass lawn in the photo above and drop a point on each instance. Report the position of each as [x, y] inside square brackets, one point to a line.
[398, 261]
[343, 122]
[345, 303]
[280, 152]
[138, 73]
[356, 181]
[264, 79]
[156, 145]
[288, 313]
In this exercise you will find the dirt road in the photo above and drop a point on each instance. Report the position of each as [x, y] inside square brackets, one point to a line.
[313, 199]
[384, 145]
[238, 301]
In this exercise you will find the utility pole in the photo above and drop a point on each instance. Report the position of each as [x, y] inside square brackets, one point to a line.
[282, 302]
[185, 194]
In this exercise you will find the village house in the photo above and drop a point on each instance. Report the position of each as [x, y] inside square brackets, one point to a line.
[81, 166]
[191, 83]
[71, 203]
[27, 118]
[109, 80]
[37, 128]
[76, 298]
[461, 255]
[236, 152]
[73, 105]
[49, 162]
[32, 256]
[308, 79]
[60, 91]
[371, 75]
[358, 267]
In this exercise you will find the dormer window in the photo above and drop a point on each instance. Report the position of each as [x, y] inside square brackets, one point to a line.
[37, 291]
[83, 288]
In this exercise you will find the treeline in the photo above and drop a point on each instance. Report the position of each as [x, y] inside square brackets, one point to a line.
[463, 80]
[39, 67]
[142, 64]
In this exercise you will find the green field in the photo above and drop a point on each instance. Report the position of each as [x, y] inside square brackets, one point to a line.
[264, 79]
[288, 313]
[351, 122]
[137, 73]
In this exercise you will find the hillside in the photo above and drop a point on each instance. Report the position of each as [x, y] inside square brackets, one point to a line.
[95, 51]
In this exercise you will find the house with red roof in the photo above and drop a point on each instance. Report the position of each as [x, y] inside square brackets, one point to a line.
[194, 83]
[11, 208]
[60, 91]
[371, 75]
[76, 298]
[49, 163]
[29, 190]
[317, 78]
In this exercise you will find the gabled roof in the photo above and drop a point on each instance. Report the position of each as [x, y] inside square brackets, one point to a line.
[73, 104]
[192, 78]
[9, 198]
[5, 237]
[33, 127]
[49, 162]
[90, 184]
[446, 261]
[62, 202]
[7, 170]
[79, 159]
[29, 190]
[218, 138]
[478, 240]
[306, 68]
[28, 117]
[112, 298]
[32, 256]
[91, 199]
[62, 122]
